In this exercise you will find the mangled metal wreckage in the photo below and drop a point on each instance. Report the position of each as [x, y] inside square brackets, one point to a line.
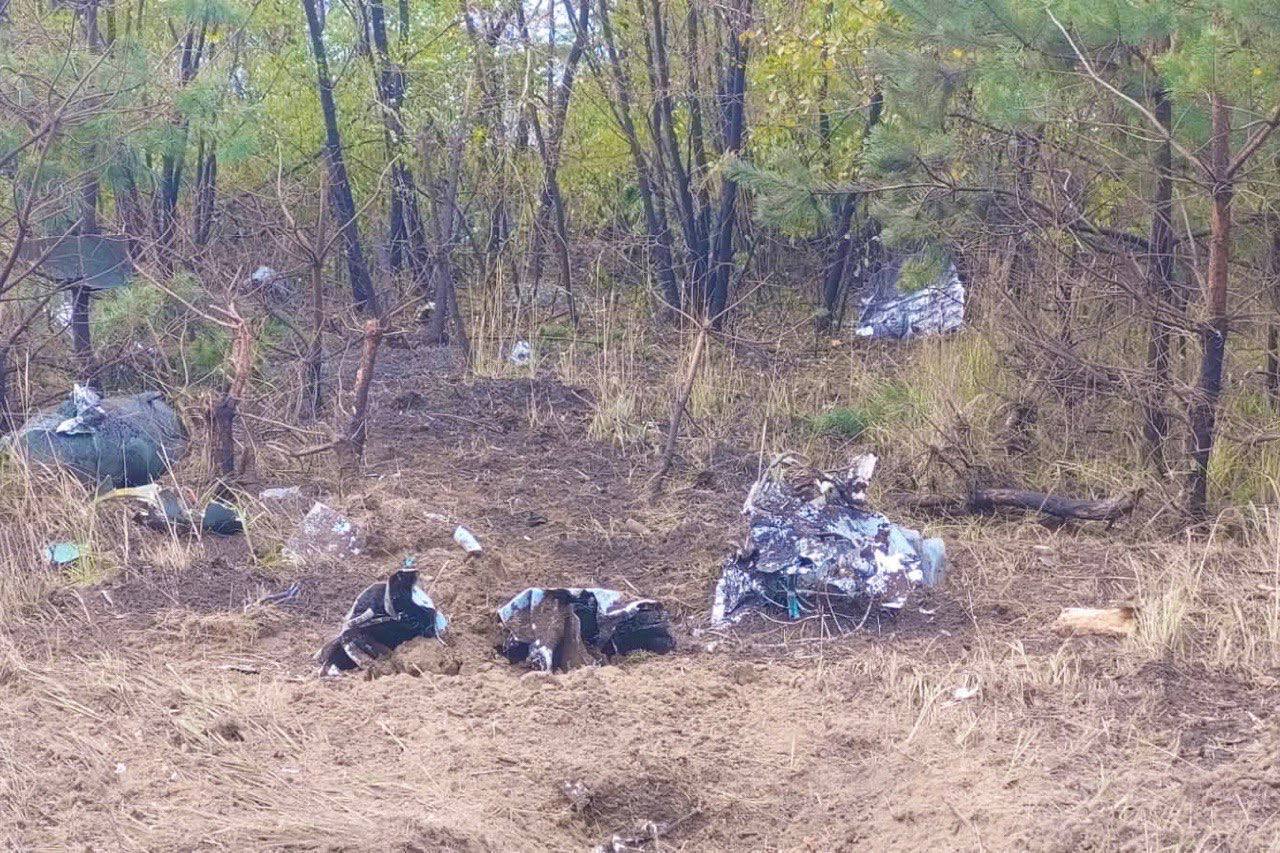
[813, 542]
[897, 308]
[561, 628]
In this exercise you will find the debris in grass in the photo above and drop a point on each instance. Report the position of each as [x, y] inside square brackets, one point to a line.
[563, 628]
[324, 532]
[815, 538]
[384, 615]
[165, 509]
[282, 494]
[893, 311]
[467, 541]
[60, 554]
[1098, 621]
[520, 353]
[113, 441]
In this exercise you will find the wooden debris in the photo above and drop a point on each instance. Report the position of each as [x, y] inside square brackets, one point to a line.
[1098, 621]
[990, 500]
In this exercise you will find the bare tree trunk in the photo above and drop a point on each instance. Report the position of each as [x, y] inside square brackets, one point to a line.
[7, 422]
[173, 161]
[1160, 285]
[407, 236]
[445, 201]
[340, 196]
[350, 447]
[223, 410]
[678, 408]
[659, 232]
[206, 192]
[1204, 405]
[733, 90]
[315, 352]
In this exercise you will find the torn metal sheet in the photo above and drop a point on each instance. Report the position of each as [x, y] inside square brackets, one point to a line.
[166, 510]
[60, 554]
[563, 628]
[889, 311]
[816, 539]
[114, 441]
[384, 615]
[324, 533]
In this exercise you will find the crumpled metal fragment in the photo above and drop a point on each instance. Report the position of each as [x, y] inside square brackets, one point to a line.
[567, 627]
[816, 539]
[384, 615]
[888, 312]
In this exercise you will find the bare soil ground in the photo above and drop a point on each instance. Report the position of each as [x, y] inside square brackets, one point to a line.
[158, 712]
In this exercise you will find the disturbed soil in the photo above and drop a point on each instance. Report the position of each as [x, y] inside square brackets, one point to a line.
[165, 708]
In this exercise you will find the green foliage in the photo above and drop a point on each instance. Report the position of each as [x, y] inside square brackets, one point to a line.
[206, 353]
[921, 270]
[886, 404]
[788, 197]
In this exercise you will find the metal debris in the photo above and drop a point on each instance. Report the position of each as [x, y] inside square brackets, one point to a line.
[520, 353]
[60, 554]
[384, 615]
[890, 312]
[816, 538]
[562, 628]
[324, 533]
[98, 262]
[166, 510]
[113, 441]
[467, 541]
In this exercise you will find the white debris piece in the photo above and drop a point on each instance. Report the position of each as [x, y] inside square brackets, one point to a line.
[324, 532]
[520, 353]
[467, 541]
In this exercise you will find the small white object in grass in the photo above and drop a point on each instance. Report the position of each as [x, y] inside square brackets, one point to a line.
[520, 353]
[120, 768]
[467, 541]
[280, 494]
[962, 693]
[1098, 621]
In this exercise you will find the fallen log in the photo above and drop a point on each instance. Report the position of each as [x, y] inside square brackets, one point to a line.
[990, 500]
[1072, 509]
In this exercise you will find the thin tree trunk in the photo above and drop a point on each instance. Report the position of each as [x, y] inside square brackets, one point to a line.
[7, 422]
[1160, 285]
[223, 410]
[844, 236]
[206, 193]
[659, 233]
[173, 162]
[314, 401]
[340, 196]
[1204, 405]
[350, 448]
[407, 237]
[733, 105]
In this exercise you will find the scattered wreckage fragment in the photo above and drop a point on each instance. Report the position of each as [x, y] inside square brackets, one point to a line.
[893, 312]
[385, 615]
[166, 510]
[113, 441]
[816, 538]
[324, 533]
[563, 628]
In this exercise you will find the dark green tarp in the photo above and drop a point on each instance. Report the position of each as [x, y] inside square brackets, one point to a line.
[116, 441]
